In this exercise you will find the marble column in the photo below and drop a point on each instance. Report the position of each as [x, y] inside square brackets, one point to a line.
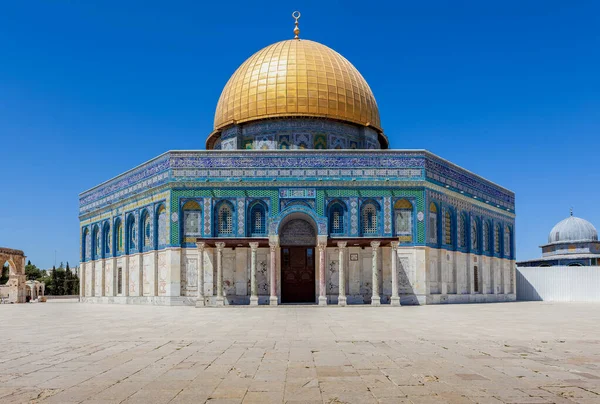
[342, 273]
[253, 282]
[395, 299]
[200, 300]
[375, 298]
[322, 245]
[220, 301]
[273, 301]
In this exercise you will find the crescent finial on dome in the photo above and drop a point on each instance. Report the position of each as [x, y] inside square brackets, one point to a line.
[296, 15]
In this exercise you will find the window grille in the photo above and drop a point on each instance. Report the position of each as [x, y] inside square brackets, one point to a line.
[486, 236]
[497, 239]
[369, 219]
[462, 235]
[507, 242]
[337, 219]
[475, 279]
[225, 220]
[448, 228]
[258, 218]
[432, 228]
[474, 236]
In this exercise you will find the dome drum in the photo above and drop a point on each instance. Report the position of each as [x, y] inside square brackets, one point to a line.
[295, 133]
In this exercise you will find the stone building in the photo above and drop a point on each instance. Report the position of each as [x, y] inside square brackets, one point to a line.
[14, 289]
[297, 199]
[572, 242]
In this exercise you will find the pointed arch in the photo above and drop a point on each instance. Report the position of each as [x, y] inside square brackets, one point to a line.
[462, 230]
[336, 215]
[119, 246]
[224, 223]
[497, 239]
[432, 224]
[257, 219]
[448, 220]
[131, 235]
[192, 219]
[369, 216]
[96, 243]
[85, 235]
[160, 234]
[475, 243]
[146, 229]
[106, 240]
[403, 220]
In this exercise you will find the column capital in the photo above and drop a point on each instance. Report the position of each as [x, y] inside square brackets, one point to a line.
[200, 245]
[342, 244]
[220, 245]
[375, 244]
[253, 246]
[273, 245]
[394, 245]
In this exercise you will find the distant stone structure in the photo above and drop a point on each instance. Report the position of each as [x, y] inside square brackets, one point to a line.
[15, 290]
[572, 242]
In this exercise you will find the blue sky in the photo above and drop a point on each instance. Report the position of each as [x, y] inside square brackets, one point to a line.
[507, 89]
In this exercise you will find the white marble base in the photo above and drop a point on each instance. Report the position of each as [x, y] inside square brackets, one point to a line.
[253, 300]
[322, 301]
[376, 301]
[342, 301]
[395, 301]
[273, 301]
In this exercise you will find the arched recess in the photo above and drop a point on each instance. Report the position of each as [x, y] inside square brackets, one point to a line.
[225, 223]
[497, 239]
[404, 220]
[474, 235]
[160, 235]
[297, 238]
[85, 234]
[256, 225]
[575, 264]
[508, 241]
[449, 226]
[192, 220]
[118, 245]
[369, 218]
[337, 217]
[106, 240]
[432, 224]
[146, 230]
[96, 243]
[486, 239]
[461, 231]
[131, 236]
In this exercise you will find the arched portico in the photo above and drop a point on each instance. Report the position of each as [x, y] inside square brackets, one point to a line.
[14, 291]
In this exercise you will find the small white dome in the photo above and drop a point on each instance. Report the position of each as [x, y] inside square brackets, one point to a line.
[573, 229]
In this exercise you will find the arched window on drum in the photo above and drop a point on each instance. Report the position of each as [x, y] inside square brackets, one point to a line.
[224, 222]
[257, 219]
[337, 216]
[192, 215]
[403, 220]
[369, 216]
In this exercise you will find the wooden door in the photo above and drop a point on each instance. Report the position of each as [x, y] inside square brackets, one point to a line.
[297, 275]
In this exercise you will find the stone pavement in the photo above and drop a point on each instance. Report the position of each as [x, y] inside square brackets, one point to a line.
[486, 353]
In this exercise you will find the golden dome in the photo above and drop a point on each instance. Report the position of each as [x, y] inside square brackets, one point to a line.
[297, 77]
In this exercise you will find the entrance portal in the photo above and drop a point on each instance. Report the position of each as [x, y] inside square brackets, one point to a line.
[297, 275]
[297, 238]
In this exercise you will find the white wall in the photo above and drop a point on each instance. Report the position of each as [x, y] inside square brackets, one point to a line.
[559, 284]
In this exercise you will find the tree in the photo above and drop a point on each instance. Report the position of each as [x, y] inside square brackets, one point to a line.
[32, 272]
[68, 282]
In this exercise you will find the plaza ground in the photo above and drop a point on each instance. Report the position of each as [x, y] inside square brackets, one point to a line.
[484, 353]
